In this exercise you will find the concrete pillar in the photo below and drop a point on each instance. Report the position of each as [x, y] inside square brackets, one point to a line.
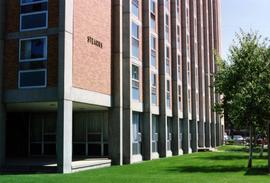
[175, 21]
[2, 107]
[207, 74]
[194, 135]
[213, 134]
[185, 79]
[127, 97]
[212, 71]
[116, 112]
[194, 75]
[64, 136]
[147, 85]
[218, 130]
[2, 136]
[217, 46]
[162, 146]
[200, 36]
[64, 118]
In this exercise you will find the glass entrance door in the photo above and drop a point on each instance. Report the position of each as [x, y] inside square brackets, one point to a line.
[90, 135]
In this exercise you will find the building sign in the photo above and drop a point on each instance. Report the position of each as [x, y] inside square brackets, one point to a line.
[95, 42]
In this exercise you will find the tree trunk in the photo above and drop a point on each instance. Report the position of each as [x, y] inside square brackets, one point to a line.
[250, 148]
[262, 148]
[268, 145]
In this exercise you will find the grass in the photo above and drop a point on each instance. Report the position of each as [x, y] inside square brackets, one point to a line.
[227, 165]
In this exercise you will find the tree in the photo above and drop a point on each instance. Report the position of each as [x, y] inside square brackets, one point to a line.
[244, 82]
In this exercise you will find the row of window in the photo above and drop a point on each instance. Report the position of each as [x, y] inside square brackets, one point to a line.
[33, 54]
[136, 87]
[137, 133]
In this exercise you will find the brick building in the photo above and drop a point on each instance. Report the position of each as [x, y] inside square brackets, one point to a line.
[116, 81]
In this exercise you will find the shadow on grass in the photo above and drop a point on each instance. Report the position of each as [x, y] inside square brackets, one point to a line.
[207, 169]
[231, 157]
[257, 171]
[220, 169]
[27, 171]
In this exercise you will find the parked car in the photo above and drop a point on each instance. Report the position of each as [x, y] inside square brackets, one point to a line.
[238, 139]
[226, 137]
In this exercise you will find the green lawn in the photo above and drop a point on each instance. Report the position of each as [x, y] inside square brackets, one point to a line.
[226, 165]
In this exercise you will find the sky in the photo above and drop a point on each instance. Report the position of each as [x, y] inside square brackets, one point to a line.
[244, 14]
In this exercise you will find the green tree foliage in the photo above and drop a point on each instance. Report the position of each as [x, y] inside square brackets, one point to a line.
[244, 82]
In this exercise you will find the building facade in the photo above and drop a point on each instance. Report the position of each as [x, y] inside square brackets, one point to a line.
[126, 80]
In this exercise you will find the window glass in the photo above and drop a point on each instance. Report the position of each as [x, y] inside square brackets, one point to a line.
[32, 78]
[32, 1]
[135, 8]
[34, 21]
[168, 94]
[135, 83]
[153, 23]
[153, 51]
[33, 49]
[34, 8]
[153, 6]
[135, 40]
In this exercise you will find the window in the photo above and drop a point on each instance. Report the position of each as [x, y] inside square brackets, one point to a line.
[33, 63]
[135, 8]
[189, 101]
[168, 94]
[197, 77]
[153, 6]
[154, 133]
[135, 40]
[153, 15]
[179, 97]
[169, 134]
[167, 27]
[178, 37]
[179, 65]
[135, 83]
[188, 47]
[167, 4]
[34, 15]
[153, 22]
[33, 78]
[168, 69]
[33, 49]
[154, 88]
[27, 2]
[178, 7]
[153, 51]
[188, 72]
[136, 133]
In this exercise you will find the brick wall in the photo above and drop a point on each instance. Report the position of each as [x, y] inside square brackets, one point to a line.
[92, 64]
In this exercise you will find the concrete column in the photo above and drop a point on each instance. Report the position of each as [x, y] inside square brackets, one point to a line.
[2, 107]
[65, 55]
[207, 74]
[162, 146]
[212, 70]
[194, 75]
[218, 130]
[147, 85]
[127, 97]
[186, 81]
[116, 112]
[175, 20]
[217, 46]
[200, 36]
[64, 136]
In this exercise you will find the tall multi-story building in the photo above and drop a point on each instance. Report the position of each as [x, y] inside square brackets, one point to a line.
[119, 81]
